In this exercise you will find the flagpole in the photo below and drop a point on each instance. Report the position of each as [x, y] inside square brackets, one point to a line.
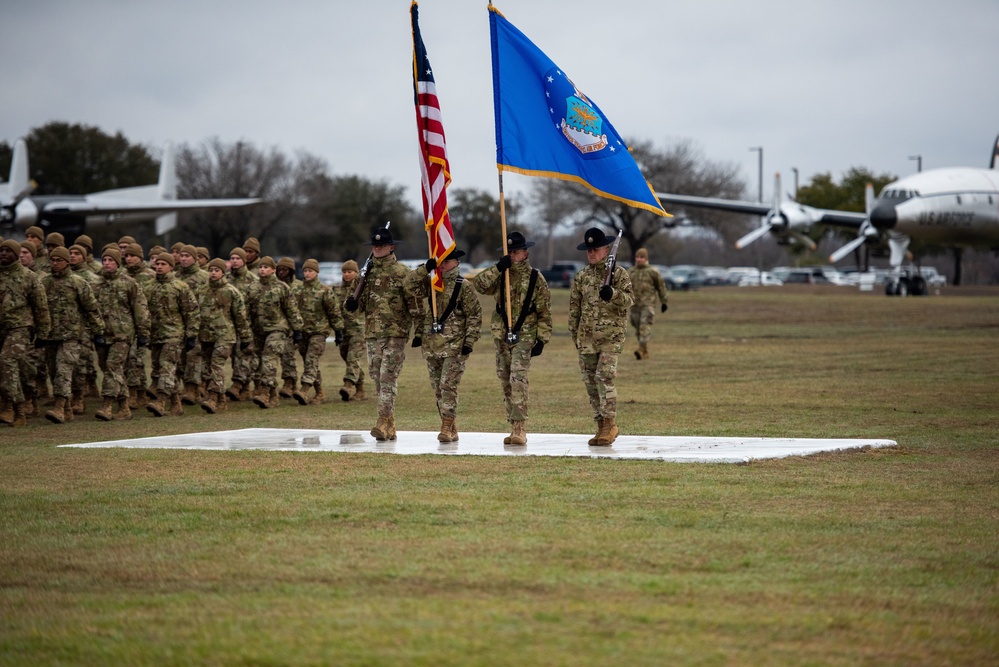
[430, 277]
[510, 335]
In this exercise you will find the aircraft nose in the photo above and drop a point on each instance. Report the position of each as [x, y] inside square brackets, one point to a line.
[883, 215]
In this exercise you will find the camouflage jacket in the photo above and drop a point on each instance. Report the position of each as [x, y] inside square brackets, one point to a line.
[319, 307]
[253, 267]
[223, 314]
[597, 325]
[123, 306]
[353, 322]
[242, 279]
[463, 325]
[85, 271]
[389, 310]
[72, 307]
[143, 275]
[648, 285]
[538, 323]
[272, 307]
[23, 302]
[42, 261]
[173, 310]
[195, 277]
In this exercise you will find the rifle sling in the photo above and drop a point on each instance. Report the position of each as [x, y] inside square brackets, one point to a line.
[526, 307]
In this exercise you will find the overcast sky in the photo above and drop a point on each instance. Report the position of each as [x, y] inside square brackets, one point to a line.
[820, 85]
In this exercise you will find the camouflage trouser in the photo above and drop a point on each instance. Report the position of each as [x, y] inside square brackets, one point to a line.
[85, 369]
[445, 375]
[641, 319]
[63, 358]
[289, 370]
[244, 363]
[14, 362]
[271, 346]
[311, 348]
[166, 358]
[355, 354]
[39, 373]
[135, 369]
[512, 367]
[214, 356]
[113, 358]
[598, 372]
[192, 365]
[385, 357]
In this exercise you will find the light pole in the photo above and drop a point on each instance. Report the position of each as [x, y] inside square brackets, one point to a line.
[759, 149]
[919, 161]
[795, 170]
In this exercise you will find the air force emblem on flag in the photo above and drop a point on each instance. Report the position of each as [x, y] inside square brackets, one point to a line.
[578, 121]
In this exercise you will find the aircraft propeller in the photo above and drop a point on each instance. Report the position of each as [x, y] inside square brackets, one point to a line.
[777, 219]
[8, 209]
[866, 232]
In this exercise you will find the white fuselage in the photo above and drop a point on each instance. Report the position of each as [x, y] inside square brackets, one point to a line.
[952, 207]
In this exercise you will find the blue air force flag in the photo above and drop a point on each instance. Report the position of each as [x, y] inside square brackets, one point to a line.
[546, 126]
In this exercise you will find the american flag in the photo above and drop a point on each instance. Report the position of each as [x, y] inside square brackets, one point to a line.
[434, 168]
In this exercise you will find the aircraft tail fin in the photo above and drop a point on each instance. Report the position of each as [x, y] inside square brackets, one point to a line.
[994, 162]
[18, 169]
[167, 189]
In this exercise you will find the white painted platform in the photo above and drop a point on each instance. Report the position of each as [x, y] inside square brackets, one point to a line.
[664, 448]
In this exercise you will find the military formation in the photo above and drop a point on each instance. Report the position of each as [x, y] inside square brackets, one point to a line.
[66, 312]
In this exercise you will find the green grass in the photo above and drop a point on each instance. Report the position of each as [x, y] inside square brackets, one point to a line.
[872, 557]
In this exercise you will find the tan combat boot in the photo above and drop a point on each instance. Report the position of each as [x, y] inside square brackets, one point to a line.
[133, 397]
[638, 353]
[141, 398]
[449, 432]
[124, 412]
[288, 390]
[600, 428]
[104, 413]
[7, 412]
[210, 404]
[262, 399]
[390, 425]
[158, 405]
[21, 414]
[77, 405]
[92, 388]
[359, 395]
[302, 395]
[609, 434]
[644, 349]
[380, 431]
[233, 391]
[176, 406]
[57, 414]
[320, 396]
[519, 435]
[348, 390]
[32, 409]
[191, 394]
[246, 392]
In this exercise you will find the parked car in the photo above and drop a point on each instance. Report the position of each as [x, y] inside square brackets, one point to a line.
[932, 277]
[684, 277]
[715, 276]
[738, 274]
[330, 274]
[561, 273]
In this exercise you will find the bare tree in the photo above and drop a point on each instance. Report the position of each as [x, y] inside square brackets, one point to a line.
[217, 169]
[680, 169]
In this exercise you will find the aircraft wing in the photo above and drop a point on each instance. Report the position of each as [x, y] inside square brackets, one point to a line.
[791, 210]
[110, 206]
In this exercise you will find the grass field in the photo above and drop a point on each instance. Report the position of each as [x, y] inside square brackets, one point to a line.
[876, 557]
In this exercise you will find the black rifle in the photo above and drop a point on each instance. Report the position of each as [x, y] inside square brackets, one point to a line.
[364, 271]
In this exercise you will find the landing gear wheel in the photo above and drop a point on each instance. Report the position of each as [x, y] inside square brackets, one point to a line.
[903, 288]
[919, 286]
[891, 288]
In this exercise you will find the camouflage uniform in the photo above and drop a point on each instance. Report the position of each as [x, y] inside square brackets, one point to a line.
[175, 318]
[273, 316]
[196, 279]
[352, 348]
[598, 329]
[75, 314]
[388, 316]
[126, 316]
[650, 293]
[320, 311]
[86, 371]
[135, 371]
[24, 316]
[447, 351]
[224, 322]
[289, 367]
[513, 363]
[245, 361]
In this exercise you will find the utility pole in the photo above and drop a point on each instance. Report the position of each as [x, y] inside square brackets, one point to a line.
[919, 161]
[759, 149]
[795, 170]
